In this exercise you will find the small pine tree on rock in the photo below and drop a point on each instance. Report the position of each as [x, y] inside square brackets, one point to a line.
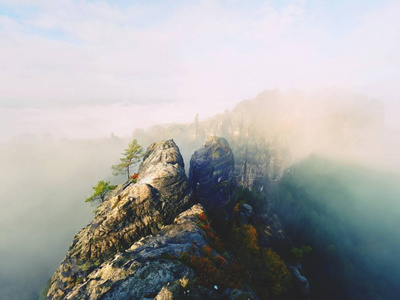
[100, 191]
[131, 156]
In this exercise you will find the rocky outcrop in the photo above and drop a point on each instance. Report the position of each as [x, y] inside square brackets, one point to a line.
[212, 179]
[269, 228]
[163, 168]
[135, 211]
[260, 148]
[302, 285]
[150, 267]
[143, 244]
[244, 214]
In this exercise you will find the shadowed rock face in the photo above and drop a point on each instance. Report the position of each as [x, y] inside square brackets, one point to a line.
[132, 212]
[212, 177]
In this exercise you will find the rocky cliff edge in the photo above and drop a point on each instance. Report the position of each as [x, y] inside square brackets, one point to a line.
[131, 213]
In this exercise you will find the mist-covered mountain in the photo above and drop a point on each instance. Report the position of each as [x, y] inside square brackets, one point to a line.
[276, 129]
[170, 237]
[44, 183]
[299, 196]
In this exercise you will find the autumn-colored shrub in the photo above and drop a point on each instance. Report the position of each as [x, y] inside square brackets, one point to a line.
[203, 217]
[221, 262]
[265, 271]
[207, 250]
[245, 241]
[211, 268]
[277, 272]
[207, 272]
[206, 227]
[216, 242]
[252, 237]
[134, 177]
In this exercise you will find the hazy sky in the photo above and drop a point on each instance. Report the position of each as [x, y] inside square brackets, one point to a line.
[88, 68]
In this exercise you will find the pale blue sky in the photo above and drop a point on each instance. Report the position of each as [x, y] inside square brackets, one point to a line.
[189, 54]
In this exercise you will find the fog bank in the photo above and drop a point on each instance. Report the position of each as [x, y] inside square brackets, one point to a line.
[45, 182]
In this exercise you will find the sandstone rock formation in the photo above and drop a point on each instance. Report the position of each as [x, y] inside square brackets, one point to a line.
[146, 243]
[163, 168]
[133, 212]
[149, 267]
[260, 148]
[212, 178]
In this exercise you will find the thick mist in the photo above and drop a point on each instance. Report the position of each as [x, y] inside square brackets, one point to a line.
[349, 215]
[45, 182]
[82, 69]
[338, 191]
[334, 122]
[335, 186]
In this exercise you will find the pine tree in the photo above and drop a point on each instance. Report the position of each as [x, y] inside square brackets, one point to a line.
[100, 191]
[131, 156]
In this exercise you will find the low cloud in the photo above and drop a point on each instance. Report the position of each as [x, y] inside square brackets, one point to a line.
[84, 53]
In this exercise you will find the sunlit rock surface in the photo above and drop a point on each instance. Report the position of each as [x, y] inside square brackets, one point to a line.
[132, 212]
[149, 267]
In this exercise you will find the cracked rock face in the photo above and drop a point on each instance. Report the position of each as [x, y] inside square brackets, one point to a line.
[212, 177]
[133, 211]
[150, 268]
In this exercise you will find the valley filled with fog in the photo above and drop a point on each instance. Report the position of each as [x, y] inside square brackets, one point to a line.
[305, 92]
[332, 152]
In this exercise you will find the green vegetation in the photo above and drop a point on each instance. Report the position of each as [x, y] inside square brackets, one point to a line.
[131, 156]
[265, 270]
[210, 267]
[89, 265]
[254, 198]
[100, 191]
[299, 253]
